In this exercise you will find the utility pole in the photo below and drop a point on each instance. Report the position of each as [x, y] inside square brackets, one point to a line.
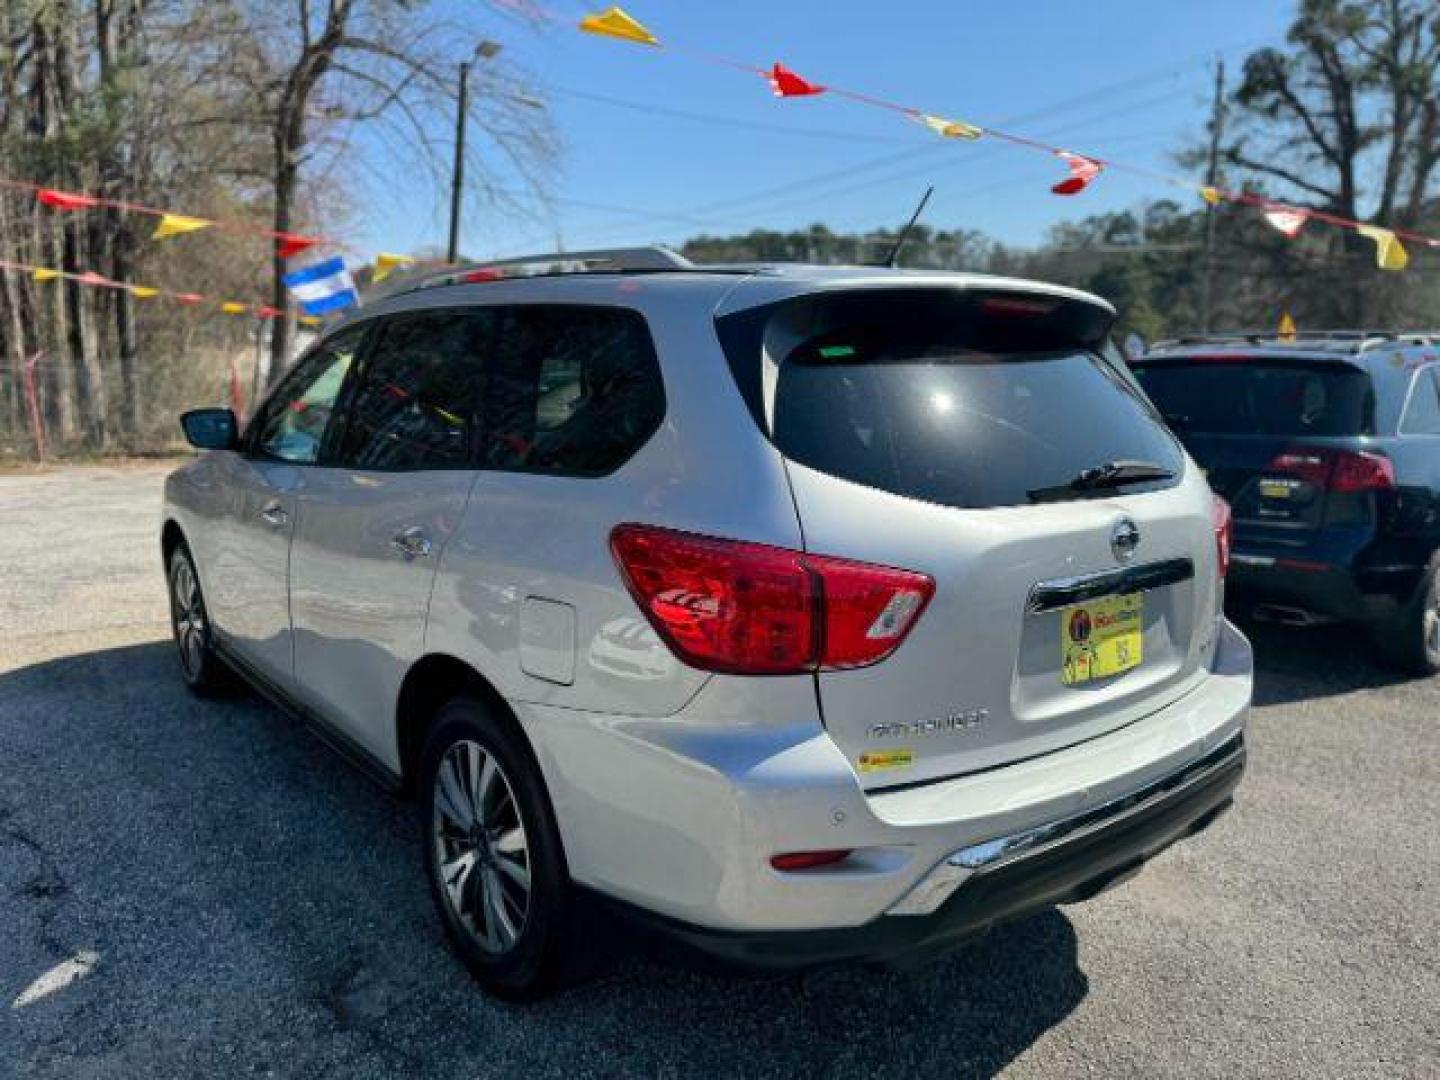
[484, 51]
[1212, 175]
[457, 178]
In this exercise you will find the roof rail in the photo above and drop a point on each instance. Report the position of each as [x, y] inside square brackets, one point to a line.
[602, 261]
[1363, 339]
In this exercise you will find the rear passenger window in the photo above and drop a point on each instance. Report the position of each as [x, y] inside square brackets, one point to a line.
[571, 390]
[415, 406]
[1422, 414]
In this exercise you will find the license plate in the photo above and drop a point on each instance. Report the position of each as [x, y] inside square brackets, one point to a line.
[1101, 638]
[1275, 489]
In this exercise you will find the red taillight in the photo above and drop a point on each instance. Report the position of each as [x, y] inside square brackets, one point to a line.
[1224, 525]
[752, 609]
[808, 860]
[1336, 470]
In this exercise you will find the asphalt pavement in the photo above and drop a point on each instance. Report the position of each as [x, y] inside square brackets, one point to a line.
[195, 888]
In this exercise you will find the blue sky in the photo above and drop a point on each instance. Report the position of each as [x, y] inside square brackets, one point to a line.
[1125, 79]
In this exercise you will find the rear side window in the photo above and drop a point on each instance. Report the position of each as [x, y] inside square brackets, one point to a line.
[1422, 412]
[415, 405]
[571, 390]
[950, 399]
[1255, 397]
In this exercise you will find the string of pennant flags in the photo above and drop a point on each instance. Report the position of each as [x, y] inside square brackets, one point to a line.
[1081, 170]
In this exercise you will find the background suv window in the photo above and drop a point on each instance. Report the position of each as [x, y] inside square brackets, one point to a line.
[572, 390]
[415, 404]
[293, 424]
[1422, 414]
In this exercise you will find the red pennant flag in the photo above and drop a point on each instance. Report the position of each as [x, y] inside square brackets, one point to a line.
[292, 244]
[64, 200]
[788, 84]
[189, 299]
[90, 277]
[1083, 171]
[267, 312]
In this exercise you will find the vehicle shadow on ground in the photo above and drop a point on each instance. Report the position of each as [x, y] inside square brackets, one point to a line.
[256, 904]
[1303, 663]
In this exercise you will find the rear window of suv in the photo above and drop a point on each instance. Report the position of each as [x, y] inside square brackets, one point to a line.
[952, 397]
[1251, 396]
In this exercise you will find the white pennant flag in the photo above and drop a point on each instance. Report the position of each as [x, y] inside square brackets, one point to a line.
[1289, 222]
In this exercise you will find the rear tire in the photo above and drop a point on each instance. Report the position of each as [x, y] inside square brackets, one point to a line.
[493, 854]
[204, 672]
[1409, 641]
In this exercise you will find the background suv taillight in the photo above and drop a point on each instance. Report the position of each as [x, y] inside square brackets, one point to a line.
[753, 609]
[1336, 470]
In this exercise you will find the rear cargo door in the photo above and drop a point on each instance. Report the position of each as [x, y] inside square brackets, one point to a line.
[1269, 432]
[946, 433]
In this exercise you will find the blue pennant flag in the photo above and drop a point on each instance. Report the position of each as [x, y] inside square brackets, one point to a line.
[322, 287]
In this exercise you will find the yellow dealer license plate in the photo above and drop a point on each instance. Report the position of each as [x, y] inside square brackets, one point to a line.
[1101, 638]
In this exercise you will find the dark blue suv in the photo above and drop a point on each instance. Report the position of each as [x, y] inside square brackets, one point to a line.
[1328, 448]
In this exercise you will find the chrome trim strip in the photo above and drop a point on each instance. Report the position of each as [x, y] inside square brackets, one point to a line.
[1063, 592]
[959, 866]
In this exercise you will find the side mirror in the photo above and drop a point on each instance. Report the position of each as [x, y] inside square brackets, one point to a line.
[211, 429]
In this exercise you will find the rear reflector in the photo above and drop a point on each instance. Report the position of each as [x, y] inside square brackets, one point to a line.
[808, 860]
[1336, 470]
[1224, 524]
[753, 609]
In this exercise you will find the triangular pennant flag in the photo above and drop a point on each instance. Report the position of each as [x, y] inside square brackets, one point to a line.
[1083, 171]
[232, 308]
[265, 311]
[41, 274]
[1288, 222]
[309, 320]
[1210, 195]
[949, 129]
[288, 245]
[90, 277]
[189, 299]
[177, 225]
[788, 84]
[1287, 327]
[613, 22]
[64, 200]
[143, 292]
[1390, 254]
[385, 265]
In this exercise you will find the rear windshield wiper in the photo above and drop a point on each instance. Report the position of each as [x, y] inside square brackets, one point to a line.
[1111, 474]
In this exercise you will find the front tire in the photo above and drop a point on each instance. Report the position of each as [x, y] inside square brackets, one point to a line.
[1409, 640]
[204, 672]
[493, 854]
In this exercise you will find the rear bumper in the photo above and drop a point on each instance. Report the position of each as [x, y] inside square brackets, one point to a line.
[1333, 590]
[974, 888]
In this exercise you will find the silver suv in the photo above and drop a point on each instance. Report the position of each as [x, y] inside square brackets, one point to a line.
[804, 614]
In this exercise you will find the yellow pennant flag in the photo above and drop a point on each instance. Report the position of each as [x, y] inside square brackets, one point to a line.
[1390, 254]
[385, 265]
[1210, 195]
[231, 308]
[41, 274]
[143, 292]
[613, 22]
[1287, 327]
[177, 224]
[309, 320]
[950, 129]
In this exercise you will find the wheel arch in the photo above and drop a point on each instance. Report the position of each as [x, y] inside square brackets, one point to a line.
[171, 537]
[431, 681]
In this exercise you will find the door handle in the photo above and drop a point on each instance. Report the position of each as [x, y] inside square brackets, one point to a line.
[274, 514]
[413, 543]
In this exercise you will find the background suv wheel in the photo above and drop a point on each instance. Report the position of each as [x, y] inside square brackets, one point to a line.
[493, 855]
[1410, 640]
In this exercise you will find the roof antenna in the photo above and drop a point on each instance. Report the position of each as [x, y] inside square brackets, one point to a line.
[894, 256]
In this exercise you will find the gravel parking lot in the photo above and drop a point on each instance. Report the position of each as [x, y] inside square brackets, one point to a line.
[227, 897]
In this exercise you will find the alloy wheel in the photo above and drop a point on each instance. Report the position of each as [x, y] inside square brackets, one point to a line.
[480, 847]
[188, 614]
